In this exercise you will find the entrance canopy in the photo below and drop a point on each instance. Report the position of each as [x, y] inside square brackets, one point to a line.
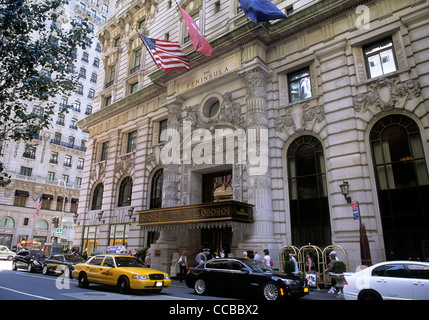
[207, 215]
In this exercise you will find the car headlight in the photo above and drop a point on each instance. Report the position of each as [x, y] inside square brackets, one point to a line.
[139, 276]
[166, 276]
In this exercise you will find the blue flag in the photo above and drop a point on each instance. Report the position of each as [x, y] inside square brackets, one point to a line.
[261, 10]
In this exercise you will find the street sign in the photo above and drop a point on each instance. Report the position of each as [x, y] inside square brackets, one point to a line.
[355, 207]
[58, 232]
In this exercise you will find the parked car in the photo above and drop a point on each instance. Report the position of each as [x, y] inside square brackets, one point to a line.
[390, 280]
[31, 260]
[125, 272]
[61, 263]
[5, 253]
[244, 276]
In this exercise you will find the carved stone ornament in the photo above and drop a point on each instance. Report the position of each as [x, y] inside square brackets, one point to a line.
[98, 171]
[386, 94]
[300, 117]
[125, 165]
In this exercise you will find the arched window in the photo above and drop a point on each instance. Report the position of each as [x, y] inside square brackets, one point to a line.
[97, 197]
[7, 222]
[125, 191]
[156, 190]
[309, 208]
[41, 225]
[402, 185]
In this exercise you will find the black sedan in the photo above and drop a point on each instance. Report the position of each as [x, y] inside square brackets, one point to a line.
[244, 276]
[62, 263]
[31, 260]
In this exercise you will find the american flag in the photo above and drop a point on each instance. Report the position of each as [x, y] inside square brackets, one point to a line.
[38, 205]
[167, 54]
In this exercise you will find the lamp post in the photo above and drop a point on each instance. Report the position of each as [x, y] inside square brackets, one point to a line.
[356, 212]
[64, 202]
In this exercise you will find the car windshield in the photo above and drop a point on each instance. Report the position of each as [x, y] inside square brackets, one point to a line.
[258, 266]
[38, 254]
[74, 258]
[129, 262]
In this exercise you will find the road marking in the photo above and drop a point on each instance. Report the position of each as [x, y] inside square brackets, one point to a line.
[25, 293]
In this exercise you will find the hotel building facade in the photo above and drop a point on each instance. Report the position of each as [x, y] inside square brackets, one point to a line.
[247, 149]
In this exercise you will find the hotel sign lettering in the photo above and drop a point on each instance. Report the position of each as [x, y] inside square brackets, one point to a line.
[208, 212]
[209, 73]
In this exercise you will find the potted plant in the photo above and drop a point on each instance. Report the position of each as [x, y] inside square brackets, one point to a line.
[336, 273]
[289, 267]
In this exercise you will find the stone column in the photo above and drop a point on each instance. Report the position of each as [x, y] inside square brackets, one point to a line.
[258, 167]
[166, 245]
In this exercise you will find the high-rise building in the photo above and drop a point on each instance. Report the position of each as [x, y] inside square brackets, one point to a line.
[52, 167]
[248, 148]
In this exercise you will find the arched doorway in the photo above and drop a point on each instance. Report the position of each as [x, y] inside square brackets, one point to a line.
[402, 186]
[309, 208]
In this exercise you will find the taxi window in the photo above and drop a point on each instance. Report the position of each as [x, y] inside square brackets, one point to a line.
[108, 260]
[97, 260]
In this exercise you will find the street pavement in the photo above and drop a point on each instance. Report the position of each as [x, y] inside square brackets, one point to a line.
[21, 285]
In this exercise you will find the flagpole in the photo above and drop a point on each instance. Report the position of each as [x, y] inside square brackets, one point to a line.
[147, 48]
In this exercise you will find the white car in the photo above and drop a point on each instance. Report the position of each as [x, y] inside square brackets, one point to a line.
[5, 253]
[390, 280]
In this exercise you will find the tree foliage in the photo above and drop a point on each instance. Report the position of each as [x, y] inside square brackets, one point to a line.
[37, 51]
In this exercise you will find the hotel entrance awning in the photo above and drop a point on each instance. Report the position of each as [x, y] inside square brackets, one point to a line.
[207, 215]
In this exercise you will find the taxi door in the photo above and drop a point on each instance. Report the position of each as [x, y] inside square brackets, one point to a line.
[107, 271]
[94, 268]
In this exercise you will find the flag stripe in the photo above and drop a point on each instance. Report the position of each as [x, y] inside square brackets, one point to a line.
[38, 205]
[167, 54]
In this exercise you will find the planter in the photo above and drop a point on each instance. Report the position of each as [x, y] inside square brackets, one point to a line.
[340, 281]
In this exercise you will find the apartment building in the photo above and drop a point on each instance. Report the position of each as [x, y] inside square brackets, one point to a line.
[51, 164]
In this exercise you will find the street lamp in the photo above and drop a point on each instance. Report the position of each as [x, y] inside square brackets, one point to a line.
[64, 202]
[130, 213]
[100, 216]
[345, 191]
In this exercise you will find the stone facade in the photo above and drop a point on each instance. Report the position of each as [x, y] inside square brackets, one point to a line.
[249, 76]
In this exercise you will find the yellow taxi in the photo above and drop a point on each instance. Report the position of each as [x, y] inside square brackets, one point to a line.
[125, 272]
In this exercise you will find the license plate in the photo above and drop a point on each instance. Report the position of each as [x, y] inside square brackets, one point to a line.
[158, 284]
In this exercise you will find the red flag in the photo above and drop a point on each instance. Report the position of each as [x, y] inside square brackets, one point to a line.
[200, 44]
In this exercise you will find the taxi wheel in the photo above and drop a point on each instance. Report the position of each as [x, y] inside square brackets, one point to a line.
[45, 269]
[83, 280]
[123, 285]
[14, 267]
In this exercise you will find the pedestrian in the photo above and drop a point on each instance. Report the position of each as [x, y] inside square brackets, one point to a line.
[310, 269]
[85, 254]
[183, 265]
[245, 255]
[147, 259]
[292, 258]
[201, 257]
[333, 258]
[267, 258]
[257, 256]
